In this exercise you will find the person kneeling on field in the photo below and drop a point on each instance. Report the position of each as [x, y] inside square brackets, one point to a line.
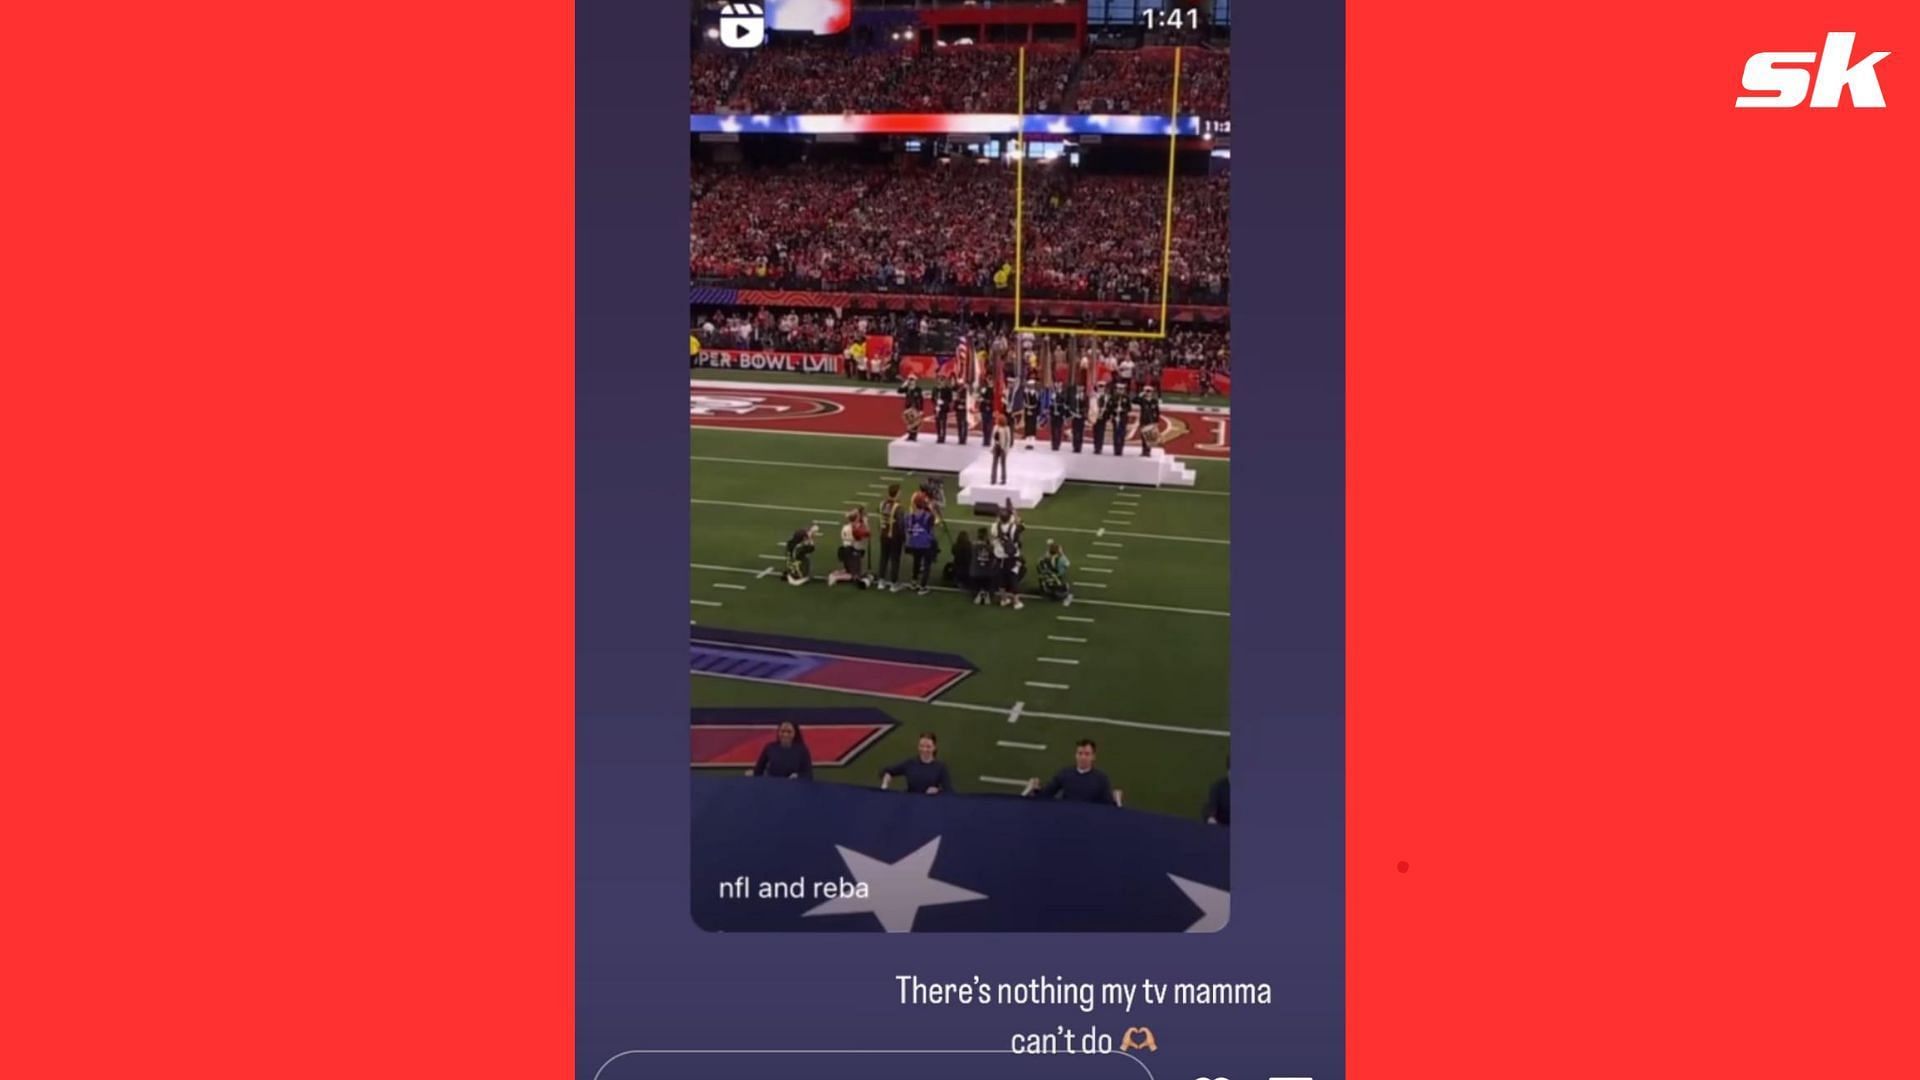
[1053, 575]
[800, 555]
[853, 550]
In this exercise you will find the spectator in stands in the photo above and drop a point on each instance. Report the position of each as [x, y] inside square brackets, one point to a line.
[786, 757]
[924, 773]
[1080, 782]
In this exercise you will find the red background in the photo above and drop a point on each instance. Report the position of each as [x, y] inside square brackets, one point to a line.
[1632, 534]
[1631, 553]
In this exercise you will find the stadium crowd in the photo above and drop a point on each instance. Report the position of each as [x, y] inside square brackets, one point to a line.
[826, 75]
[1141, 81]
[945, 229]
[712, 74]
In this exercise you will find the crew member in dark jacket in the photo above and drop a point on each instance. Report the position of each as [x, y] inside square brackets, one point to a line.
[1219, 803]
[924, 773]
[1081, 783]
[786, 757]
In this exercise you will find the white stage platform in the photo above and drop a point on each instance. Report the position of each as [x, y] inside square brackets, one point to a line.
[1035, 473]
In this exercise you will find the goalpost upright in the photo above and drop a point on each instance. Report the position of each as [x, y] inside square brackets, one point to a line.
[1019, 211]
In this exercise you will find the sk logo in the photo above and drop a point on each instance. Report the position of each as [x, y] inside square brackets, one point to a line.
[1138, 1039]
[1777, 86]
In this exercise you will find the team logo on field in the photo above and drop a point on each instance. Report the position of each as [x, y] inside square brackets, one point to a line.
[756, 407]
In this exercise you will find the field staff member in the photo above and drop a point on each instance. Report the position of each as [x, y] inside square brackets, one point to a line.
[853, 550]
[1219, 810]
[920, 543]
[925, 774]
[1053, 568]
[986, 569]
[1081, 783]
[1007, 532]
[893, 538]
[800, 555]
[786, 757]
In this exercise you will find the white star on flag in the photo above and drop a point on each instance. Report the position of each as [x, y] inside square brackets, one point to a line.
[1212, 903]
[895, 891]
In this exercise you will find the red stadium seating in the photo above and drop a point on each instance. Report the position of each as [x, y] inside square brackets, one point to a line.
[948, 228]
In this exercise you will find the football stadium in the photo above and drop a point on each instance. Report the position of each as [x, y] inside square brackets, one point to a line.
[960, 400]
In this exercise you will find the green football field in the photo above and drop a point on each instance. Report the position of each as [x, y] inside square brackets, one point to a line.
[1137, 663]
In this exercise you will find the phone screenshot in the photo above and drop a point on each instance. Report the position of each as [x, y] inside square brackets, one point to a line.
[970, 642]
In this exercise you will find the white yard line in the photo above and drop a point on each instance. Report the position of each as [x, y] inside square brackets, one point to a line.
[729, 585]
[1055, 660]
[1008, 781]
[1031, 524]
[1097, 555]
[1057, 637]
[704, 603]
[1019, 746]
[1048, 685]
[1084, 569]
[1071, 618]
[1091, 585]
[1013, 714]
[1080, 719]
[1107, 543]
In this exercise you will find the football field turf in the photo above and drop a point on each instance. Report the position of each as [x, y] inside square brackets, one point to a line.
[1137, 663]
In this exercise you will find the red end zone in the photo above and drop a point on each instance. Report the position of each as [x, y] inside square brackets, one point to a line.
[1201, 431]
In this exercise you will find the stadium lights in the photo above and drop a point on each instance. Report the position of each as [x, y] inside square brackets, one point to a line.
[713, 33]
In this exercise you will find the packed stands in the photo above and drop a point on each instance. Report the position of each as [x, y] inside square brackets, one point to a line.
[948, 228]
[712, 77]
[1141, 81]
[827, 75]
